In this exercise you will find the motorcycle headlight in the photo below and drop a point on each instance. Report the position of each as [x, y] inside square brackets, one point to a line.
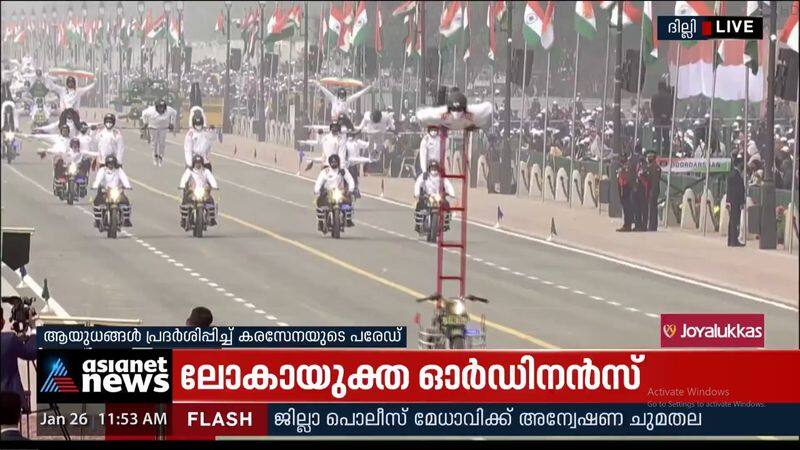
[9, 135]
[199, 193]
[73, 168]
[337, 195]
[435, 199]
[456, 307]
[113, 194]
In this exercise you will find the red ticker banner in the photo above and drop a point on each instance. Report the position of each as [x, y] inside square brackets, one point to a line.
[409, 376]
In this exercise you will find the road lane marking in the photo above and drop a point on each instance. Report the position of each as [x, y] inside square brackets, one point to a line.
[352, 268]
[682, 278]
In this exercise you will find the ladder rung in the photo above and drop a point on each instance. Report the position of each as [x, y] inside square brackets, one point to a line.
[461, 177]
[450, 277]
[456, 208]
[452, 245]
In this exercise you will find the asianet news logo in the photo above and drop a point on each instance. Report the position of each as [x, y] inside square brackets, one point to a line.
[125, 375]
[105, 376]
[700, 28]
[712, 330]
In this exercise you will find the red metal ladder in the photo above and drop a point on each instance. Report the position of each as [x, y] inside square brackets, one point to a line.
[461, 244]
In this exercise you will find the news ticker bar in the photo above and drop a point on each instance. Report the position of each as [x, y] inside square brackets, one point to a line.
[210, 421]
[417, 376]
[79, 337]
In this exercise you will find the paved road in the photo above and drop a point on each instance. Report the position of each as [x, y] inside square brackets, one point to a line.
[267, 265]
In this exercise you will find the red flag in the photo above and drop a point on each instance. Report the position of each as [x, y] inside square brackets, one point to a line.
[377, 27]
[490, 20]
[220, 26]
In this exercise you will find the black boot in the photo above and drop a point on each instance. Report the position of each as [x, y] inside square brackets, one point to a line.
[319, 226]
[212, 221]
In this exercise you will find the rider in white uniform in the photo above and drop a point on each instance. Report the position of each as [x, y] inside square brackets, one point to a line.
[159, 118]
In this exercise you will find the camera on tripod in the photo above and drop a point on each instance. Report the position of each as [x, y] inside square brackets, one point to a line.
[22, 313]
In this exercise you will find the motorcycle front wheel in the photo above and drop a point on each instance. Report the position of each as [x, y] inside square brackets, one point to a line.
[457, 343]
[70, 193]
[113, 223]
[433, 226]
[336, 223]
[199, 221]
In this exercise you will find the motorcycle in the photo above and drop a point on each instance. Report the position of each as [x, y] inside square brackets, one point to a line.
[335, 213]
[40, 119]
[430, 218]
[111, 222]
[200, 211]
[75, 185]
[10, 146]
[449, 325]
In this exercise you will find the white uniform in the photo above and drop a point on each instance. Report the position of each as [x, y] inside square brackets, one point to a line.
[88, 144]
[199, 178]
[159, 125]
[15, 124]
[339, 106]
[333, 145]
[430, 149]
[68, 155]
[353, 152]
[67, 98]
[478, 115]
[330, 179]
[108, 178]
[385, 124]
[197, 143]
[430, 185]
[109, 142]
[52, 128]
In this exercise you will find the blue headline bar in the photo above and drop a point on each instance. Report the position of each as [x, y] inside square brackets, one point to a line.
[78, 337]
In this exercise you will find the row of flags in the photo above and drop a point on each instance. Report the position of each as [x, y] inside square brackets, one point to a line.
[94, 32]
[349, 24]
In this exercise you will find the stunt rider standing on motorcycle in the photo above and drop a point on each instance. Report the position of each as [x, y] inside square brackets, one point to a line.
[86, 139]
[198, 142]
[429, 183]
[109, 141]
[333, 143]
[430, 148]
[198, 175]
[111, 176]
[333, 176]
[60, 145]
[69, 97]
[340, 103]
[159, 119]
[353, 148]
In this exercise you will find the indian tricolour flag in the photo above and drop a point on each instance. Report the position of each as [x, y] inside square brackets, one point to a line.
[174, 34]
[156, 28]
[789, 33]
[697, 71]
[650, 36]
[585, 23]
[538, 29]
[630, 14]
[452, 23]
[691, 8]
[361, 24]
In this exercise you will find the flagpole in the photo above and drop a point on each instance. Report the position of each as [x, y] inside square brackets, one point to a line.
[602, 128]
[639, 86]
[546, 115]
[403, 78]
[522, 112]
[672, 134]
[439, 69]
[792, 203]
[746, 141]
[704, 218]
[455, 51]
[574, 114]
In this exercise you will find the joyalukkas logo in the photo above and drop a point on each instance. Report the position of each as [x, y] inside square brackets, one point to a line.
[104, 376]
[712, 330]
